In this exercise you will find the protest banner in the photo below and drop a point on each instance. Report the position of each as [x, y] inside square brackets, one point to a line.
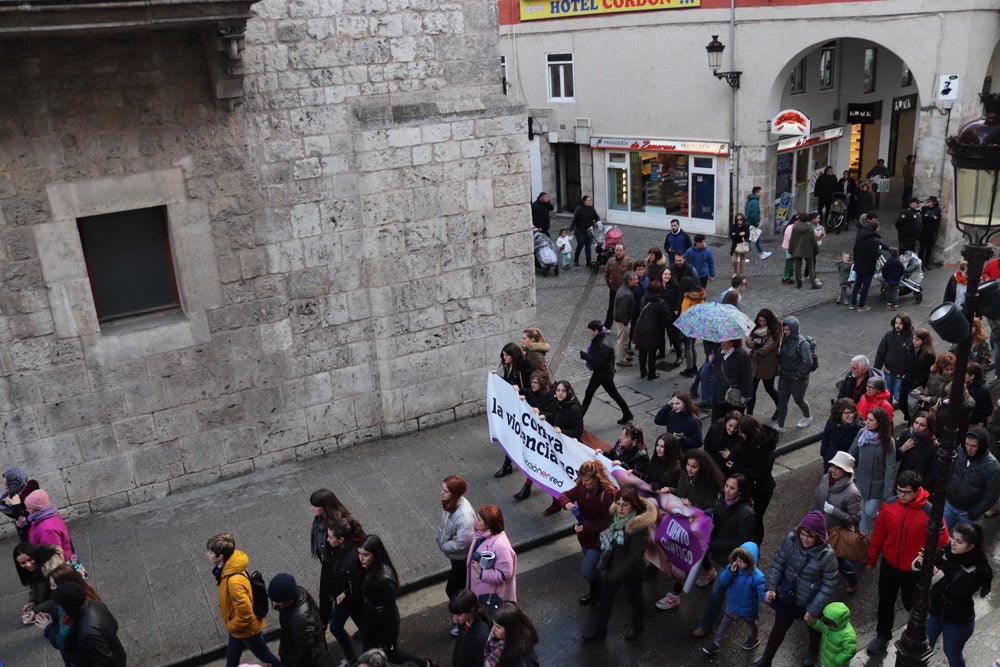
[551, 459]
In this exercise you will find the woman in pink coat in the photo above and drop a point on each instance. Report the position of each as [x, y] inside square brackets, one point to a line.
[45, 526]
[495, 576]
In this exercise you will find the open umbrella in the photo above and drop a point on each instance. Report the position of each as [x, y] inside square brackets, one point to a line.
[714, 321]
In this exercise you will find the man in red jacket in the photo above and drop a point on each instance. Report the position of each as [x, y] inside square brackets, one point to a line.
[900, 534]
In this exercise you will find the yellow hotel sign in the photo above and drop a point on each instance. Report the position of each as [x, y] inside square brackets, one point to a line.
[534, 10]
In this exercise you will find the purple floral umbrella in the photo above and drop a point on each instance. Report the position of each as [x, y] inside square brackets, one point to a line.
[714, 321]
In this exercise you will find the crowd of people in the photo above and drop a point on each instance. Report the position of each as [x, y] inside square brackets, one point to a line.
[874, 485]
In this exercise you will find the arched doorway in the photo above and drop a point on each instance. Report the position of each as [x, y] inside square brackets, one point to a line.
[863, 103]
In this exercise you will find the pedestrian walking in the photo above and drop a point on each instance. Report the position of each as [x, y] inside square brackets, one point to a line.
[800, 583]
[327, 512]
[892, 273]
[541, 209]
[961, 569]
[803, 248]
[665, 462]
[340, 584]
[794, 365]
[629, 452]
[455, 530]
[743, 585]
[614, 277]
[739, 236]
[825, 186]
[753, 457]
[900, 535]
[236, 604]
[56, 625]
[16, 487]
[732, 376]
[875, 469]
[840, 430]
[493, 579]
[34, 564]
[516, 371]
[600, 358]
[840, 501]
[701, 260]
[590, 500]
[46, 525]
[535, 347]
[867, 249]
[623, 544]
[975, 480]
[915, 448]
[93, 635]
[918, 370]
[584, 217]
[680, 417]
[564, 412]
[876, 396]
[677, 242]
[512, 639]
[623, 307]
[379, 589]
[762, 344]
[303, 636]
[752, 212]
[648, 331]
[469, 616]
[840, 641]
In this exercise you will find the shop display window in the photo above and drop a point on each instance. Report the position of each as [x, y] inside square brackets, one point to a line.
[668, 184]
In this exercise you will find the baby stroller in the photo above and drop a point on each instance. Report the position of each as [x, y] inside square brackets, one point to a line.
[606, 238]
[836, 217]
[913, 276]
[546, 258]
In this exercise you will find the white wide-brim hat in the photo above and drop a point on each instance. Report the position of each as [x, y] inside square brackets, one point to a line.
[844, 461]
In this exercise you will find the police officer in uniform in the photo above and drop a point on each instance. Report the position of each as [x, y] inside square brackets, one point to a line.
[908, 226]
[930, 214]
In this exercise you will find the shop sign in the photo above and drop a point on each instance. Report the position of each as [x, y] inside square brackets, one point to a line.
[864, 114]
[904, 104]
[791, 123]
[536, 10]
[813, 139]
[661, 145]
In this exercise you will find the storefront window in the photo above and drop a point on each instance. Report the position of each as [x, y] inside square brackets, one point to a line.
[617, 182]
[664, 184]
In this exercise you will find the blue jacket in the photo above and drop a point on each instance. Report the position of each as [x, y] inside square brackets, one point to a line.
[745, 588]
[677, 243]
[701, 260]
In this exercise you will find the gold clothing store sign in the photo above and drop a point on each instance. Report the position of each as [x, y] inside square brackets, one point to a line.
[535, 10]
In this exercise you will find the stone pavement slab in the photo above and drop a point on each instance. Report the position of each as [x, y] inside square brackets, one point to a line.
[148, 560]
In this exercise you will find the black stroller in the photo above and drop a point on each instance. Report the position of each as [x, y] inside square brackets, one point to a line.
[913, 276]
[836, 217]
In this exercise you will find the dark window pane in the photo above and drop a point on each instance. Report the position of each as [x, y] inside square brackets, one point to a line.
[128, 259]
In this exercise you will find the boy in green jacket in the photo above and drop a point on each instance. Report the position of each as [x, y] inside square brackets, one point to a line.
[840, 642]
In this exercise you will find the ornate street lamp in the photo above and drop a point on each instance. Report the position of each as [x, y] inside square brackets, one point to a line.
[975, 155]
[715, 49]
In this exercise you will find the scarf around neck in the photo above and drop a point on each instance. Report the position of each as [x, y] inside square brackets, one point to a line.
[46, 512]
[615, 533]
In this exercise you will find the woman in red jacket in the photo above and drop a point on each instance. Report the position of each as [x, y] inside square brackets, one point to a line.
[590, 502]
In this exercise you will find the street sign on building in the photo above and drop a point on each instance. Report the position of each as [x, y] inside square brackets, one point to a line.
[948, 87]
[791, 123]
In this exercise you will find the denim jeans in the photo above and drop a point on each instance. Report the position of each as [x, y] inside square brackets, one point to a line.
[860, 292]
[954, 638]
[588, 567]
[846, 567]
[714, 605]
[582, 244]
[894, 384]
[338, 618]
[869, 512]
[257, 646]
[954, 516]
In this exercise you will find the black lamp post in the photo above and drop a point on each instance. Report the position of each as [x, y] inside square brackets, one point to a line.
[715, 49]
[975, 155]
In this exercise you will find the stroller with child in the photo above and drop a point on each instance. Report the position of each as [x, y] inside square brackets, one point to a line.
[605, 240]
[836, 217]
[913, 276]
[546, 257]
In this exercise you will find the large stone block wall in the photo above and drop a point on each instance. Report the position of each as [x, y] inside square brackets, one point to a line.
[353, 242]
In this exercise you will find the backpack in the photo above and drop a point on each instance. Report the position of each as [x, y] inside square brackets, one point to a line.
[812, 351]
[258, 593]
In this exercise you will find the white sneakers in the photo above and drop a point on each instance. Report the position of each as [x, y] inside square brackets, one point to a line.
[765, 254]
[670, 601]
[805, 421]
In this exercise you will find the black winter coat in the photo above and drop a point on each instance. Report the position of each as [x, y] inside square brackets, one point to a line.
[732, 372]
[958, 580]
[755, 461]
[908, 224]
[683, 423]
[866, 251]
[93, 638]
[600, 356]
[731, 527]
[654, 315]
[919, 458]
[826, 185]
[633, 459]
[837, 437]
[894, 351]
[341, 573]
[469, 644]
[303, 640]
[567, 415]
[584, 217]
[380, 624]
[540, 214]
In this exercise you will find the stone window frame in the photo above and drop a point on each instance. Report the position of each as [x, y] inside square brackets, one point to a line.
[65, 272]
[561, 66]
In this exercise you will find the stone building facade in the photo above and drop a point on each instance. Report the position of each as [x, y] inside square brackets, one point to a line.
[346, 235]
